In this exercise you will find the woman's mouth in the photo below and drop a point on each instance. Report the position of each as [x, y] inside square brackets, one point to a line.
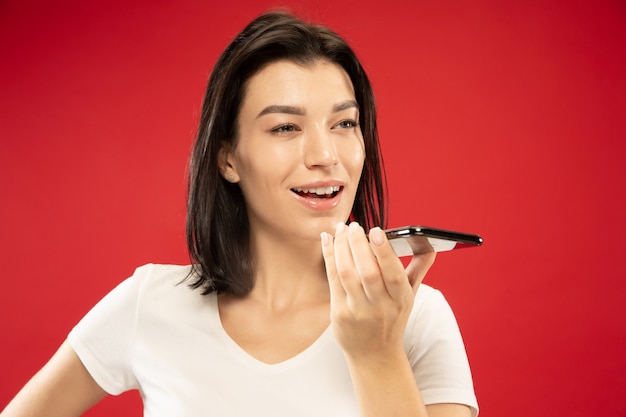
[317, 192]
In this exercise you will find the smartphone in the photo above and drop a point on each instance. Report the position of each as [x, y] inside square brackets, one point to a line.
[414, 240]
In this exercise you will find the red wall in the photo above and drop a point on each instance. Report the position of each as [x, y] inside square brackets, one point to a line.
[503, 118]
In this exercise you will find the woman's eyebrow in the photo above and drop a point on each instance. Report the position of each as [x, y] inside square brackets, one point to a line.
[299, 111]
[345, 105]
[282, 109]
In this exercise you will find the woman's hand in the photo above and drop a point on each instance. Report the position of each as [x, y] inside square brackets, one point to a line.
[371, 292]
[371, 298]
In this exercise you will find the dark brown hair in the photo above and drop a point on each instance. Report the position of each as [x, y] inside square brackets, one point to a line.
[217, 220]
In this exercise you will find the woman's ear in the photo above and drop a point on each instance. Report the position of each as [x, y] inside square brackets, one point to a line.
[225, 164]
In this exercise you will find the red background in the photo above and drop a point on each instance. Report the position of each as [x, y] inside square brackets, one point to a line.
[503, 118]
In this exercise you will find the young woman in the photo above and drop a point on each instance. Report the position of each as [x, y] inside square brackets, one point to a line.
[296, 304]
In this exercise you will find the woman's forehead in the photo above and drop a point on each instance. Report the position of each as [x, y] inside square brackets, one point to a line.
[289, 84]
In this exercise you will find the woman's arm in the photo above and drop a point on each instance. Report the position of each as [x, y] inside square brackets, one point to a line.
[372, 297]
[448, 410]
[62, 388]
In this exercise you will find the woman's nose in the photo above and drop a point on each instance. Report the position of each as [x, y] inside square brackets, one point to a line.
[320, 149]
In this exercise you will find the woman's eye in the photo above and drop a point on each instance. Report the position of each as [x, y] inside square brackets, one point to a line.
[286, 128]
[347, 124]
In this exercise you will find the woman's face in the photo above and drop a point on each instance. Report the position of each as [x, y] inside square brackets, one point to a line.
[299, 153]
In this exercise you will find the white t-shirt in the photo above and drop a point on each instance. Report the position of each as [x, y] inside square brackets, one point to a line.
[155, 334]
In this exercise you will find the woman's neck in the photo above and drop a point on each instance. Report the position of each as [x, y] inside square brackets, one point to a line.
[288, 273]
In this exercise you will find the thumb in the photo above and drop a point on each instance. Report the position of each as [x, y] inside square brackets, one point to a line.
[418, 267]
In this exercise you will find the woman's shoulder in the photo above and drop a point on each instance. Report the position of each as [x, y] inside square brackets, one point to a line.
[154, 276]
[165, 286]
[430, 309]
[155, 279]
[426, 295]
[162, 272]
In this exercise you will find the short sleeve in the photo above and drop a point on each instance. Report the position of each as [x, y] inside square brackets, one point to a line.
[437, 352]
[103, 337]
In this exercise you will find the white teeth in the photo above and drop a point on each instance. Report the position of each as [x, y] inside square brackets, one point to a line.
[318, 190]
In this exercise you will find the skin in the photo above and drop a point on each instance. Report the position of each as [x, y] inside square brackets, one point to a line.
[298, 125]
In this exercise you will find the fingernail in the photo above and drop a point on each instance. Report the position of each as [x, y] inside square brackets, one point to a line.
[340, 228]
[354, 226]
[377, 236]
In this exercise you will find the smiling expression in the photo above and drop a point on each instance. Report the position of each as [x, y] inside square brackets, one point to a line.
[299, 152]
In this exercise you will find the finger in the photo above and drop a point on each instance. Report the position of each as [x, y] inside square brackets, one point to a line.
[366, 265]
[346, 268]
[418, 267]
[393, 274]
[337, 291]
